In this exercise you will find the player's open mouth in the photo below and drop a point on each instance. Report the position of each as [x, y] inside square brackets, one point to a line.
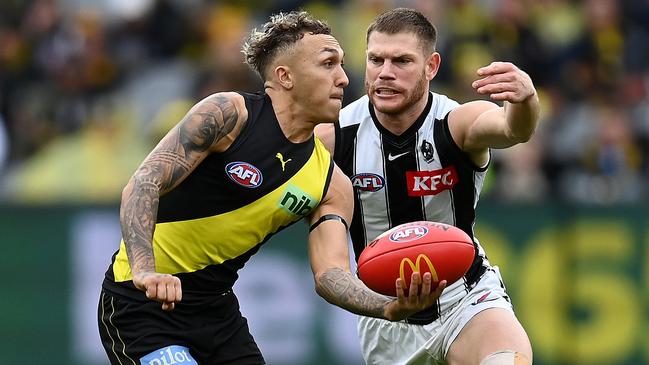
[386, 92]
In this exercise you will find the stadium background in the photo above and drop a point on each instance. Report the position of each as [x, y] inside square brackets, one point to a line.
[87, 87]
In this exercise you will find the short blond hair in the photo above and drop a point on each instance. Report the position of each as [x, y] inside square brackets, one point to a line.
[279, 35]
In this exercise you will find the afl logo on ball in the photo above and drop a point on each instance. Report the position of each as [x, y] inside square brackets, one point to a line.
[244, 174]
[408, 233]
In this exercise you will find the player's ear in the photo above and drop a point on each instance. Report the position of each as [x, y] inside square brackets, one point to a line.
[432, 65]
[284, 77]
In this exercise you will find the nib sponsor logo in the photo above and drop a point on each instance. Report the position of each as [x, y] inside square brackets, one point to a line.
[296, 201]
[431, 182]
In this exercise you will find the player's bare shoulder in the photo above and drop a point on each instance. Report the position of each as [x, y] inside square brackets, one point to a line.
[215, 122]
[327, 134]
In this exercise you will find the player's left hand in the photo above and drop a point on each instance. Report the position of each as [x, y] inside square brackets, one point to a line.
[420, 296]
[164, 288]
[503, 81]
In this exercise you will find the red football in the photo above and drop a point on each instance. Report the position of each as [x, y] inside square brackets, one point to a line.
[441, 249]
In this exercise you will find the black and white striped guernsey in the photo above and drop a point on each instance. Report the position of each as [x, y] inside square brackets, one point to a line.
[419, 175]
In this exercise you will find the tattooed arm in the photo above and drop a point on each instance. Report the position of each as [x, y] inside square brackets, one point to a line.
[210, 126]
[329, 255]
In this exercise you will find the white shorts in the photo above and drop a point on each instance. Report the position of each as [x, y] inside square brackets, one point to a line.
[384, 342]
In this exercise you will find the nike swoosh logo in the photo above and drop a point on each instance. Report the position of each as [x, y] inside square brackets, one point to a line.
[392, 158]
[484, 300]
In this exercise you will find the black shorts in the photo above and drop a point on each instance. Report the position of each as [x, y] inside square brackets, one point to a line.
[205, 332]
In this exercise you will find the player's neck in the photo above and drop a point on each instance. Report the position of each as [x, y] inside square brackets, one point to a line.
[295, 129]
[291, 120]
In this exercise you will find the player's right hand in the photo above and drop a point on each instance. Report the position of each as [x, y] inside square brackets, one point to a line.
[420, 296]
[163, 288]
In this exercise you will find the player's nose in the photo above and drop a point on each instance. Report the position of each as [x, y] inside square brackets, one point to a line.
[342, 80]
[386, 71]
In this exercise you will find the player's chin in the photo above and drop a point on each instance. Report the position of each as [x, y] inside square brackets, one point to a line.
[331, 110]
[387, 108]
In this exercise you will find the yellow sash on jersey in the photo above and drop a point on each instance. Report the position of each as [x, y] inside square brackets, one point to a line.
[191, 245]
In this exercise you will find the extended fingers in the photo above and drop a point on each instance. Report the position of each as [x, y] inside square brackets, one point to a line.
[401, 296]
[493, 79]
[415, 281]
[440, 287]
[420, 295]
[496, 68]
[426, 284]
[504, 81]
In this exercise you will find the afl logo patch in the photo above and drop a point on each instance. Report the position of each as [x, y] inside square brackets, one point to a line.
[408, 233]
[244, 174]
[368, 182]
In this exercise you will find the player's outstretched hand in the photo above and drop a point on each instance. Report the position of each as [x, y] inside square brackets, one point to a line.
[163, 288]
[503, 81]
[420, 296]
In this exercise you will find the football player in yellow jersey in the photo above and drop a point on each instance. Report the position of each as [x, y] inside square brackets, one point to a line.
[235, 170]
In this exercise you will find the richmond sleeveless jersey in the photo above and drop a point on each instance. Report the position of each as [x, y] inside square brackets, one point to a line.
[219, 216]
[419, 175]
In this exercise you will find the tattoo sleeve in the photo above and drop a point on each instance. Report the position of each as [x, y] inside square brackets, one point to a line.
[182, 149]
[341, 288]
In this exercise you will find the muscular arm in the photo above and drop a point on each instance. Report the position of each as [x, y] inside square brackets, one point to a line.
[480, 125]
[209, 126]
[329, 255]
[339, 287]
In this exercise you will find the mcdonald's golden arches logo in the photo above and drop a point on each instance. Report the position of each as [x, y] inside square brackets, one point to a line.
[416, 266]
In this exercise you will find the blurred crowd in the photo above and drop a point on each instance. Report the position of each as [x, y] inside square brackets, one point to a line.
[88, 87]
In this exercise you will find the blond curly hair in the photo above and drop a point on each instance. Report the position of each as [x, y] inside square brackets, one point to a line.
[277, 36]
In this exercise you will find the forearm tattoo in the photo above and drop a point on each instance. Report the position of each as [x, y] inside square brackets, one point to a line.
[137, 218]
[341, 288]
[169, 163]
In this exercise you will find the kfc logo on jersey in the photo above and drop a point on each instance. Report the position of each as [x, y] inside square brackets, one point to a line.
[244, 174]
[409, 233]
[368, 182]
[422, 183]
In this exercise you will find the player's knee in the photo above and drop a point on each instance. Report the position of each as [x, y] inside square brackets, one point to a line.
[506, 357]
